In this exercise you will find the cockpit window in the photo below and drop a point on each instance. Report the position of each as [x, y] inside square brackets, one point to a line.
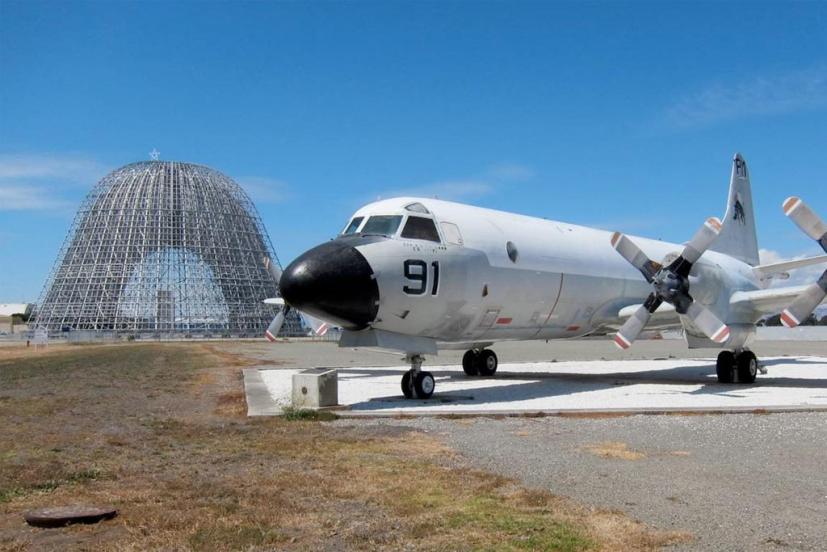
[382, 224]
[416, 208]
[420, 228]
[354, 224]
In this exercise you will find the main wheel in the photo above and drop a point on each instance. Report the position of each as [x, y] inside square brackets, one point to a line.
[747, 366]
[487, 363]
[725, 367]
[407, 388]
[424, 385]
[469, 362]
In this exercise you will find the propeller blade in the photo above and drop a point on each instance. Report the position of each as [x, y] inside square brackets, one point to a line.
[804, 305]
[319, 327]
[631, 329]
[696, 247]
[632, 253]
[273, 268]
[702, 239]
[806, 219]
[707, 322]
[275, 326]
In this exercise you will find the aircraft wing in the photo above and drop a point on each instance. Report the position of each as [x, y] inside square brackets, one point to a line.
[765, 301]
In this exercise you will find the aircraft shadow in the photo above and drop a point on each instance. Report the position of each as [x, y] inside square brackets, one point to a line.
[549, 385]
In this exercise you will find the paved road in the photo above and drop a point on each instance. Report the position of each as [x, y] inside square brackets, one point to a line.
[735, 481]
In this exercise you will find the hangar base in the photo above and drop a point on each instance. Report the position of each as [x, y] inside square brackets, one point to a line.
[629, 386]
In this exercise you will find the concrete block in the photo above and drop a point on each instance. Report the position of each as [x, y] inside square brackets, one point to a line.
[315, 387]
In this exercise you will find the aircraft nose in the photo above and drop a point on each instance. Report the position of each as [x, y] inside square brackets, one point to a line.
[335, 282]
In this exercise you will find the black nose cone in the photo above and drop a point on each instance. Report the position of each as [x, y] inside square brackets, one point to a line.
[332, 281]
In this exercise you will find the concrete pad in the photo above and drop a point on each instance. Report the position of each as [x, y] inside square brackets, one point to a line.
[664, 385]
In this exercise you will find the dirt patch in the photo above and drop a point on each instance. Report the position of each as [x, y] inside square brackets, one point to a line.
[615, 450]
[680, 453]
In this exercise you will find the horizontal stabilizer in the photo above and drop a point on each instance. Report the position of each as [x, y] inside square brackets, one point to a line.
[766, 270]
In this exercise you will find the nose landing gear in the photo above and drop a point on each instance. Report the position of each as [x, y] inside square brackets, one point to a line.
[416, 383]
[737, 366]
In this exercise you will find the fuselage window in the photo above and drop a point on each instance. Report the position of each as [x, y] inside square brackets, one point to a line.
[387, 225]
[354, 224]
[451, 233]
[511, 249]
[420, 228]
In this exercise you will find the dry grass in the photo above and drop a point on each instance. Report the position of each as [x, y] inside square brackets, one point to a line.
[159, 431]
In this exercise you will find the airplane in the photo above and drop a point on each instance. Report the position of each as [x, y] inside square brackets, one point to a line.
[420, 275]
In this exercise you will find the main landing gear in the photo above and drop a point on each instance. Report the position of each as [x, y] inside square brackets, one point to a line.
[737, 366]
[479, 362]
[417, 384]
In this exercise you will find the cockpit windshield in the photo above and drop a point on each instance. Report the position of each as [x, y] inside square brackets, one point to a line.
[386, 225]
[354, 225]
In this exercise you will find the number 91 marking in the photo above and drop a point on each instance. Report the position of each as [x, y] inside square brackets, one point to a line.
[417, 271]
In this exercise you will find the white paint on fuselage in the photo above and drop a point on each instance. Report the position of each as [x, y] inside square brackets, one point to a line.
[567, 280]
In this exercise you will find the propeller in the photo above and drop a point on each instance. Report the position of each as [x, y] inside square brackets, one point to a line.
[273, 268]
[803, 305]
[275, 326]
[671, 284]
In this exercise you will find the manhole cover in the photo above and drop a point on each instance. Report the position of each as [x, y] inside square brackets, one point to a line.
[58, 516]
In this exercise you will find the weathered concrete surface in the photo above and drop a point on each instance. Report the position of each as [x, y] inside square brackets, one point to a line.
[793, 383]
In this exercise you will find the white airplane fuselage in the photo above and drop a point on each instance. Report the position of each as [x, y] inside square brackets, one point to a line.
[418, 275]
[496, 276]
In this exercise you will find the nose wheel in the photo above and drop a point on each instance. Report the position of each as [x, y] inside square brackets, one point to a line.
[416, 383]
[737, 366]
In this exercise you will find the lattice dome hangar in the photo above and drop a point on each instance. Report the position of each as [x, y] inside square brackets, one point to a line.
[164, 249]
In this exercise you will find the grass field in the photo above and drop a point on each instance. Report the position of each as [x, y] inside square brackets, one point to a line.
[160, 432]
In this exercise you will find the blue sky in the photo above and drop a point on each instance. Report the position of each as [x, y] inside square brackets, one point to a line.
[619, 115]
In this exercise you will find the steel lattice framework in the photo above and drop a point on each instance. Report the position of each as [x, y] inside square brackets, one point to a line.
[163, 248]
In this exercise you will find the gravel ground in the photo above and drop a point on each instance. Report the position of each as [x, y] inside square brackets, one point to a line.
[735, 481]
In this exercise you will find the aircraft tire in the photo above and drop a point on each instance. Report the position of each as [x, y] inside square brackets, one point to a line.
[469, 363]
[407, 388]
[747, 366]
[424, 385]
[725, 367]
[487, 362]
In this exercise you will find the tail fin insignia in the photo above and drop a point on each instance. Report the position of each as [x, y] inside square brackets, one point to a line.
[738, 238]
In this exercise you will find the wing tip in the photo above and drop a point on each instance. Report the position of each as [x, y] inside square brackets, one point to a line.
[270, 337]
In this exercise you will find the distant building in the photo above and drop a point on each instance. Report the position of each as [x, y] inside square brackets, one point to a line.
[163, 248]
[23, 310]
[13, 317]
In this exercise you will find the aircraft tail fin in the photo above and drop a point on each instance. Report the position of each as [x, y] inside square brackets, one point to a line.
[738, 238]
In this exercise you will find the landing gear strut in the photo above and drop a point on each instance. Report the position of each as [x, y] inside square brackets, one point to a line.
[417, 384]
[741, 366]
[479, 362]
